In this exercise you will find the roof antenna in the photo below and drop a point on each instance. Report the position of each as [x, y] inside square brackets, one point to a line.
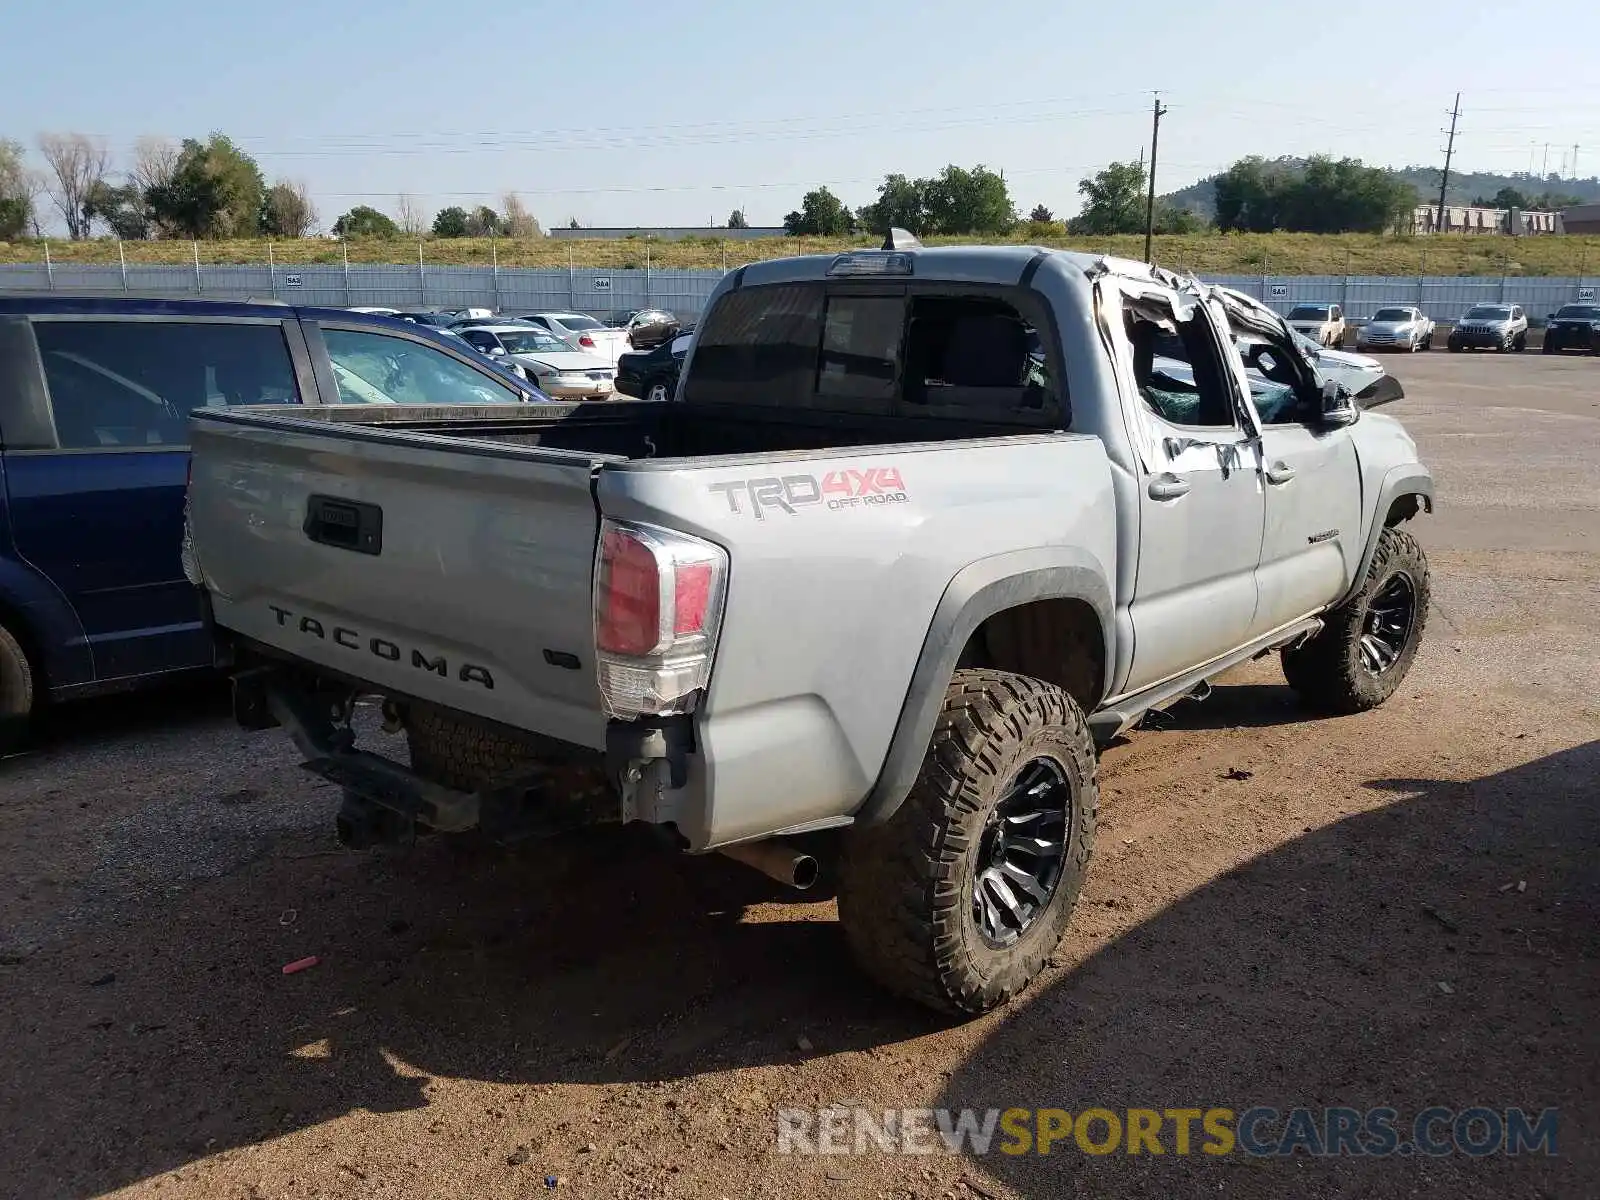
[899, 239]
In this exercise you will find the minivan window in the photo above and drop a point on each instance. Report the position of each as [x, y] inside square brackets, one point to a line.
[121, 384]
[377, 368]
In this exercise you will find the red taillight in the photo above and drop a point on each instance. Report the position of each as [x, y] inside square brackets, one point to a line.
[586, 340]
[628, 602]
[658, 598]
[691, 595]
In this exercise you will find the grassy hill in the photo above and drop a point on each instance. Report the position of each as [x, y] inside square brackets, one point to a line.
[1203, 253]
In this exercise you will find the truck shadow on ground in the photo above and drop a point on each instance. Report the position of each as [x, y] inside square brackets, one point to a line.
[1311, 976]
[166, 1033]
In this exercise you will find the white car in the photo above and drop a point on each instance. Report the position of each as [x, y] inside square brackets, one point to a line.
[584, 334]
[1399, 327]
[552, 364]
[373, 310]
[1322, 323]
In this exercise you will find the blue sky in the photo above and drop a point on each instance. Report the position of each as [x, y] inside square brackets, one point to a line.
[627, 113]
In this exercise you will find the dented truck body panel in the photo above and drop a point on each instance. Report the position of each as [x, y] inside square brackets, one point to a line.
[857, 575]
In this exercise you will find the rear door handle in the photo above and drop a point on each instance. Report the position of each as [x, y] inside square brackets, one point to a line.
[1168, 487]
[1279, 472]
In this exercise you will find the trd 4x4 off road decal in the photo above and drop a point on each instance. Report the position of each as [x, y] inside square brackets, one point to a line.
[837, 489]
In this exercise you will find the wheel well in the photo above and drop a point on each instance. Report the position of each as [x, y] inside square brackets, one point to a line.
[1057, 640]
[1405, 507]
[12, 620]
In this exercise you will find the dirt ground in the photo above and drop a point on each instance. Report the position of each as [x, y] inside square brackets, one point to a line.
[1400, 908]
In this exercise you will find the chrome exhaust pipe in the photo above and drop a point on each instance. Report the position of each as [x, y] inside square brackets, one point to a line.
[776, 860]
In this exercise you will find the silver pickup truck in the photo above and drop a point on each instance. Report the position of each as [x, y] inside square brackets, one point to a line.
[920, 528]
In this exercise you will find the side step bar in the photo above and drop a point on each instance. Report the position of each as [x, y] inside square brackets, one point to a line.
[1124, 711]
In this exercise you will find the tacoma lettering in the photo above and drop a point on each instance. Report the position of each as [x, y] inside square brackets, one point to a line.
[351, 639]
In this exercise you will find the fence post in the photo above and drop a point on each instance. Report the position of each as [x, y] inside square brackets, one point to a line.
[272, 270]
[724, 256]
[494, 258]
[49, 267]
[422, 279]
[571, 286]
[194, 245]
[647, 271]
[122, 261]
[344, 251]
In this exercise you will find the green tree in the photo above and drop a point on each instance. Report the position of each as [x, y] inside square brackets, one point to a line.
[363, 221]
[287, 211]
[450, 222]
[122, 209]
[1113, 201]
[821, 214]
[1506, 197]
[16, 192]
[901, 204]
[1041, 215]
[1321, 196]
[215, 191]
[961, 201]
[736, 219]
[483, 221]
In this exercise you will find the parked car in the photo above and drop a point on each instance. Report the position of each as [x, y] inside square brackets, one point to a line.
[556, 367]
[516, 370]
[1490, 326]
[1363, 376]
[372, 310]
[1573, 327]
[1398, 327]
[432, 318]
[1322, 323]
[876, 571]
[95, 395]
[653, 374]
[649, 328]
[584, 334]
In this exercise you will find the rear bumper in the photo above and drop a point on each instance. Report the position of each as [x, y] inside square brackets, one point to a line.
[596, 391]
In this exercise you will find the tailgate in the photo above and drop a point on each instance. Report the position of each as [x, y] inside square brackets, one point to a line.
[454, 570]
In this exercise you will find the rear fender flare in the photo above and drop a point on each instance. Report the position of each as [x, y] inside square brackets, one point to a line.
[979, 591]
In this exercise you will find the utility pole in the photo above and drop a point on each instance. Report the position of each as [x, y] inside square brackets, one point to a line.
[1150, 201]
[1574, 160]
[1545, 172]
[1449, 151]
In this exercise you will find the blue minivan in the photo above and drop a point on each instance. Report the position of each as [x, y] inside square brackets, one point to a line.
[95, 394]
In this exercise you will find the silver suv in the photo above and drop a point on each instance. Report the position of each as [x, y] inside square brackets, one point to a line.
[1490, 327]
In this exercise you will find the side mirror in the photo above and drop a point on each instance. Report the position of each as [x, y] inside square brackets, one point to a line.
[497, 351]
[1338, 406]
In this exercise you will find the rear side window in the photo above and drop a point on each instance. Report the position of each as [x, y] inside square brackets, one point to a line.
[759, 346]
[121, 384]
[377, 368]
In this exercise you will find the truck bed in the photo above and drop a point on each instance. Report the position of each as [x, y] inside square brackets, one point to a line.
[638, 430]
[448, 556]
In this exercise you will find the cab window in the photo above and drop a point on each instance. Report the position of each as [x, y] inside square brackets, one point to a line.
[1178, 368]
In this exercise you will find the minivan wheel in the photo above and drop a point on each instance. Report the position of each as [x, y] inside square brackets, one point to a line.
[1367, 644]
[16, 692]
[959, 899]
[658, 392]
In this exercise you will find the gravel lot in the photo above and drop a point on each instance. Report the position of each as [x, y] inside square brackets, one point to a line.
[1281, 912]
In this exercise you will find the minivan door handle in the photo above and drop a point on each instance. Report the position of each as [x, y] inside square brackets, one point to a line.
[1168, 487]
[1279, 472]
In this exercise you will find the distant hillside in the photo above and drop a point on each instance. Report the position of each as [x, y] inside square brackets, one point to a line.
[1466, 186]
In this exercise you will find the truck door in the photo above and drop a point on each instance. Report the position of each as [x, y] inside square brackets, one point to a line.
[100, 511]
[1201, 507]
[1311, 545]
